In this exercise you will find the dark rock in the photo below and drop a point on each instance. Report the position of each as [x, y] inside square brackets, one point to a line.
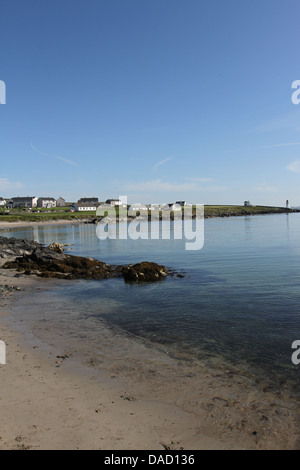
[44, 262]
[11, 247]
[47, 263]
[144, 272]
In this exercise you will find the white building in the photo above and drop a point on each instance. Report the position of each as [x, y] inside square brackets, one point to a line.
[46, 202]
[2, 202]
[164, 207]
[83, 207]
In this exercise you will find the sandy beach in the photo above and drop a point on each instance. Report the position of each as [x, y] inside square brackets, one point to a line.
[49, 403]
[54, 400]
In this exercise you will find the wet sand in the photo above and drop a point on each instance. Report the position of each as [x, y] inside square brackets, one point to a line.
[55, 397]
[12, 225]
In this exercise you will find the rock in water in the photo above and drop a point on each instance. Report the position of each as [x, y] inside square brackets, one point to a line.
[58, 247]
[144, 272]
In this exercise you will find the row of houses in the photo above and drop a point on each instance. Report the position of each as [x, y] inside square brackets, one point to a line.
[173, 206]
[83, 204]
[30, 202]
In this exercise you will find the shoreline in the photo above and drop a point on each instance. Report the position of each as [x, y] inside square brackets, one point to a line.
[74, 405]
[50, 403]
[212, 213]
[21, 224]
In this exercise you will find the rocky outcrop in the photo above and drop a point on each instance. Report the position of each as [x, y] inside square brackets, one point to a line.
[144, 272]
[45, 262]
[54, 263]
[11, 247]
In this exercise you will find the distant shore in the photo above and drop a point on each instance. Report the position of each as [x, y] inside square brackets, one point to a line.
[234, 211]
[210, 211]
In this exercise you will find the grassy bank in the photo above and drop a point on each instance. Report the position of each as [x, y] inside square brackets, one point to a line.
[231, 211]
[45, 217]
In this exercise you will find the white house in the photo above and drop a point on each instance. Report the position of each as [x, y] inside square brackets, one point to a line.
[46, 202]
[2, 202]
[83, 207]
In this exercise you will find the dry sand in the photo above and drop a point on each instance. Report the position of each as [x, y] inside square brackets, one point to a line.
[48, 402]
[47, 405]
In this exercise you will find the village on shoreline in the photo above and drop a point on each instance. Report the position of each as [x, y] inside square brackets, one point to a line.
[90, 209]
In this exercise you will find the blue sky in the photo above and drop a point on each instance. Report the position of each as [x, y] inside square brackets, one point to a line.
[159, 100]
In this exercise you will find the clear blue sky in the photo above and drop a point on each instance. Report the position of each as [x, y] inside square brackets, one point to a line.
[159, 100]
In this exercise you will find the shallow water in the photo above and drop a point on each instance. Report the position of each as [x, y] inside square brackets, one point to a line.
[239, 301]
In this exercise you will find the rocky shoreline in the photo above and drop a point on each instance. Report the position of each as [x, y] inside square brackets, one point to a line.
[32, 258]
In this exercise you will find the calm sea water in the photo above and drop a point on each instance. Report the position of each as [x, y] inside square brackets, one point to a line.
[239, 300]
